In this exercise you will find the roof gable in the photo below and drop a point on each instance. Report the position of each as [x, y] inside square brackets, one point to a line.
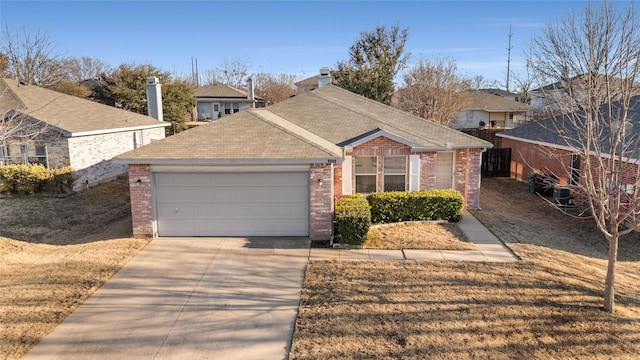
[377, 133]
[68, 114]
[339, 116]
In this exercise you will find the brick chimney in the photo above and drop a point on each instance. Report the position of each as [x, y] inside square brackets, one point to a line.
[154, 98]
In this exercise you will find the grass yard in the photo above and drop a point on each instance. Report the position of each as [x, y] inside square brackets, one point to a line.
[547, 306]
[425, 236]
[55, 253]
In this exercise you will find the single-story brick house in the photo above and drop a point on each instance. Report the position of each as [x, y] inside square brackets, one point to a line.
[71, 131]
[277, 171]
[541, 147]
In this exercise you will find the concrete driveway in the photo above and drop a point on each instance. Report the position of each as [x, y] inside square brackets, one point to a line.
[190, 298]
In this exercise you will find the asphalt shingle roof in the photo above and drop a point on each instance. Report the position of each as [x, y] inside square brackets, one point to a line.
[482, 100]
[307, 126]
[244, 135]
[69, 114]
[339, 115]
[557, 132]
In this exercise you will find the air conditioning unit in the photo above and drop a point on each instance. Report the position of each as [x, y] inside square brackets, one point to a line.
[562, 196]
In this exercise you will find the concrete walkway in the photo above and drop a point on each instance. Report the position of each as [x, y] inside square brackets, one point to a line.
[488, 248]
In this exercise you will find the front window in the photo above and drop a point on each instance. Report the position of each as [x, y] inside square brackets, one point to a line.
[31, 153]
[395, 171]
[366, 174]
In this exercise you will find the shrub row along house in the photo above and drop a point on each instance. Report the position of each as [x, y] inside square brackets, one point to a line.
[58, 130]
[277, 171]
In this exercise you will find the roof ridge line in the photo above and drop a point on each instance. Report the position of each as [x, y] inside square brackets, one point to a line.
[297, 131]
[385, 122]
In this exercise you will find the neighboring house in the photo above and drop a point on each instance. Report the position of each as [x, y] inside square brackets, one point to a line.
[72, 132]
[314, 82]
[541, 147]
[218, 100]
[277, 171]
[486, 110]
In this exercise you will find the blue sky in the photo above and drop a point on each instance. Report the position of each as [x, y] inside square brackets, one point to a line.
[294, 37]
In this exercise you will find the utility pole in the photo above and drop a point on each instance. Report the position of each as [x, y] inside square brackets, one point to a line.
[509, 47]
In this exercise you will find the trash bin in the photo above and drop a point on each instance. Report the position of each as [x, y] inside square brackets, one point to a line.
[532, 183]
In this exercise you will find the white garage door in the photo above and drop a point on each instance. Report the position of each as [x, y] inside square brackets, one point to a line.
[232, 204]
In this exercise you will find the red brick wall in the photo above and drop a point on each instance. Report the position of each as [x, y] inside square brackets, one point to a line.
[428, 170]
[527, 158]
[466, 172]
[337, 180]
[321, 201]
[141, 200]
[467, 175]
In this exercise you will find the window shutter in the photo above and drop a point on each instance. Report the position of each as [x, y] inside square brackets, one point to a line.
[414, 172]
[347, 186]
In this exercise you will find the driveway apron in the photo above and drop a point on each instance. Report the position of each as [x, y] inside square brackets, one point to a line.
[190, 298]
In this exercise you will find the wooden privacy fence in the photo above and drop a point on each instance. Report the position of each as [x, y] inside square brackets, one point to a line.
[496, 163]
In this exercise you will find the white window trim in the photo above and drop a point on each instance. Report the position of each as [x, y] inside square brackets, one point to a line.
[414, 172]
[404, 173]
[355, 173]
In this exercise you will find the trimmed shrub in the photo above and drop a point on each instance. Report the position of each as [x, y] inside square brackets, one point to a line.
[352, 217]
[34, 179]
[61, 181]
[397, 206]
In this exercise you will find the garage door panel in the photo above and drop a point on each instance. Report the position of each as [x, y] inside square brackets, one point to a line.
[232, 204]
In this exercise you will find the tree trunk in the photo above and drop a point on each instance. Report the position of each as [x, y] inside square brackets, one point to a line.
[609, 293]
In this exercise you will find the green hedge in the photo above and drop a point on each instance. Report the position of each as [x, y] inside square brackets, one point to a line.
[34, 179]
[352, 217]
[397, 206]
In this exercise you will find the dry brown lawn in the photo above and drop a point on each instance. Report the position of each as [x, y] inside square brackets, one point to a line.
[421, 235]
[54, 253]
[547, 306]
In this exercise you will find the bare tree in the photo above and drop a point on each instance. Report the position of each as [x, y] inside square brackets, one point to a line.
[17, 128]
[232, 72]
[478, 82]
[595, 55]
[4, 65]
[433, 90]
[274, 88]
[31, 57]
[84, 68]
